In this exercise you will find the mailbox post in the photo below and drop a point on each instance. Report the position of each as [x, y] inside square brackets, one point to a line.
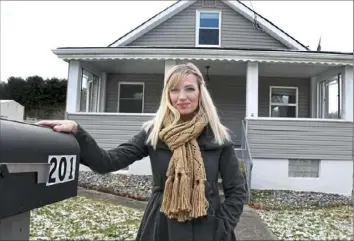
[38, 166]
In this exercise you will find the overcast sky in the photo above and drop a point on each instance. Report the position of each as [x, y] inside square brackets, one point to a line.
[30, 30]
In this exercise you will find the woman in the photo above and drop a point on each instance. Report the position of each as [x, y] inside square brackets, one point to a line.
[188, 147]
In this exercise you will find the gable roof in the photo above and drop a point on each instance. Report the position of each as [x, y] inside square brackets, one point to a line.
[238, 6]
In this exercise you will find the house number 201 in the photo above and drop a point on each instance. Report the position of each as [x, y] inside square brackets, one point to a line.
[62, 169]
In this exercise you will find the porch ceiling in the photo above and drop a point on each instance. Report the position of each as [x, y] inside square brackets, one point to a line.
[299, 70]
[129, 66]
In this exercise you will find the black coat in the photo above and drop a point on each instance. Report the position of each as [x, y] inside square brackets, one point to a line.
[222, 217]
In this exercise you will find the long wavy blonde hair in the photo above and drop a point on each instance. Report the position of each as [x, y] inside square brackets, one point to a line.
[173, 78]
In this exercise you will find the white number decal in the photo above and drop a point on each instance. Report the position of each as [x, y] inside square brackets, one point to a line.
[62, 169]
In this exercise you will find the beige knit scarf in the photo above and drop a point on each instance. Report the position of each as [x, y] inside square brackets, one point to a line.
[184, 192]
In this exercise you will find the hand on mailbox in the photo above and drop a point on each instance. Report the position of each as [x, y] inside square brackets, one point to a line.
[60, 125]
[93, 156]
[38, 166]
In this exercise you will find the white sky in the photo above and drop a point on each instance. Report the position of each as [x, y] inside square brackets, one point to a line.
[30, 30]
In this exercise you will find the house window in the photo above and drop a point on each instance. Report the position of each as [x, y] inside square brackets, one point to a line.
[208, 28]
[330, 97]
[283, 101]
[303, 168]
[131, 97]
[89, 92]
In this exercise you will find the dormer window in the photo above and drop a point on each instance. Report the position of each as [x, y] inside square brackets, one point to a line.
[208, 28]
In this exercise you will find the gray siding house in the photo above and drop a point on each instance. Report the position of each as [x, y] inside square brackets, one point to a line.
[291, 108]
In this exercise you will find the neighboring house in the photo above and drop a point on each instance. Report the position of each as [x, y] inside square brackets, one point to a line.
[293, 106]
[11, 110]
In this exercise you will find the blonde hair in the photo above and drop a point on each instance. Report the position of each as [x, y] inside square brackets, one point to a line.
[174, 76]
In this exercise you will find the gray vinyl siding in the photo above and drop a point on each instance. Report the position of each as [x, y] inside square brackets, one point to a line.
[228, 93]
[229, 96]
[153, 87]
[110, 130]
[304, 139]
[236, 31]
[303, 90]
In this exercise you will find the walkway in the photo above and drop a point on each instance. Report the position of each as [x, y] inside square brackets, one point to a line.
[250, 226]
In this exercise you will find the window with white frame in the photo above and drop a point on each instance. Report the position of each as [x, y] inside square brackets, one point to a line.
[89, 92]
[283, 101]
[131, 97]
[330, 97]
[208, 28]
[303, 168]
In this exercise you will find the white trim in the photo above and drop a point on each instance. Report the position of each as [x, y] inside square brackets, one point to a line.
[73, 94]
[197, 26]
[281, 104]
[252, 86]
[89, 85]
[131, 83]
[296, 119]
[152, 23]
[323, 81]
[205, 54]
[348, 92]
[266, 26]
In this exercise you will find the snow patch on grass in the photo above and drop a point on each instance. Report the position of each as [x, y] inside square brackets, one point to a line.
[82, 218]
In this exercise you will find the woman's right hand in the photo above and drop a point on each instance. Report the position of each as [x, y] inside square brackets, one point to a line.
[68, 126]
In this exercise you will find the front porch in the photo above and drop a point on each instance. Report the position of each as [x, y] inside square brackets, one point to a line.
[282, 110]
[132, 88]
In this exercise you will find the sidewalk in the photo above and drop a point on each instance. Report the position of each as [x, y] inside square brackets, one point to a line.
[250, 226]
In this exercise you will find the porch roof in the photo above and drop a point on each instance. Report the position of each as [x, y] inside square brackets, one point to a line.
[192, 53]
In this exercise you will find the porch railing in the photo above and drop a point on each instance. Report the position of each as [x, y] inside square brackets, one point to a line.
[246, 158]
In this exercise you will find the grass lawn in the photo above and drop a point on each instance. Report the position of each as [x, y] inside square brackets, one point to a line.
[83, 218]
[310, 217]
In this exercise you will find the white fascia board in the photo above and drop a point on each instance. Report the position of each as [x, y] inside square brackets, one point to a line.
[152, 23]
[266, 26]
[205, 54]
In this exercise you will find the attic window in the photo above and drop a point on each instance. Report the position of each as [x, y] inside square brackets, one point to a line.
[208, 28]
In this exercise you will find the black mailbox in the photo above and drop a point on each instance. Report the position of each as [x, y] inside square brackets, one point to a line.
[38, 166]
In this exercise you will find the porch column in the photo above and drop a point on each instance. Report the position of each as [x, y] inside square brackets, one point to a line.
[313, 90]
[252, 90]
[348, 93]
[168, 65]
[74, 82]
[102, 97]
